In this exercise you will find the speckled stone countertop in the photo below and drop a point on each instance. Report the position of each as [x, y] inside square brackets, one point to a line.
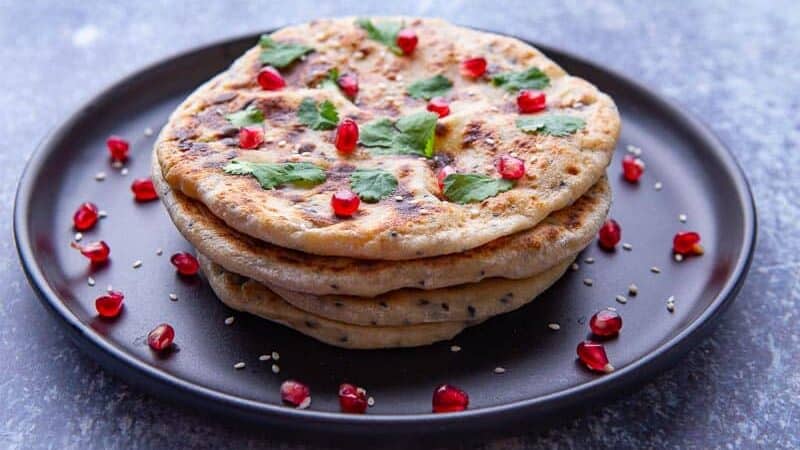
[733, 64]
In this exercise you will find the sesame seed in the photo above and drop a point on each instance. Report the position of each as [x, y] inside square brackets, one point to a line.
[658, 186]
[554, 326]
[90, 281]
[655, 269]
[682, 218]
[621, 299]
[633, 290]
[611, 308]
[239, 365]
[109, 288]
[399, 77]
[137, 264]
[627, 246]
[276, 356]
[281, 143]
[102, 214]
[124, 171]
[489, 141]
[148, 131]
[264, 358]
[305, 403]
[117, 164]
[371, 401]
[588, 281]
[229, 320]
[575, 267]
[499, 370]
[159, 252]
[398, 198]
[78, 237]
[455, 348]
[275, 368]
[589, 260]
[634, 150]
[671, 303]
[100, 176]
[678, 257]
[173, 297]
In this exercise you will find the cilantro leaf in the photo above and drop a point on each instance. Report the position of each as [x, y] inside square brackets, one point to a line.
[430, 87]
[324, 117]
[469, 188]
[372, 185]
[279, 54]
[271, 175]
[385, 33]
[331, 81]
[554, 125]
[532, 78]
[246, 117]
[409, 135]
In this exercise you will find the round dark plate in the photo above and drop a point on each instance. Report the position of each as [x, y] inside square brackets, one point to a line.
[542, 378]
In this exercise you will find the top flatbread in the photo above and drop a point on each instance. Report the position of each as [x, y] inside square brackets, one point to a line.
[197, 142]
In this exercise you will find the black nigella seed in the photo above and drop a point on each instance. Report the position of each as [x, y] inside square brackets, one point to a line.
[471, 310]
[445, 307]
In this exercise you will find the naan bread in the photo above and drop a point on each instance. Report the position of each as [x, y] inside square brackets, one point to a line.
[197, 142]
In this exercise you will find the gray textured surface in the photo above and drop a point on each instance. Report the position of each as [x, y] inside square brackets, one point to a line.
[733, 64]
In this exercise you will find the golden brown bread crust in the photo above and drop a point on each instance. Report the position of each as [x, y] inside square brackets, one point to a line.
[194, 145]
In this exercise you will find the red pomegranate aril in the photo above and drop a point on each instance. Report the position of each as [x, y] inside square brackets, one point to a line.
[348, 83]
[352, 399]
[143, 190]
[85, 216]
[439, 106]
[96, 252]
[605, 323]
[687, 243]
[161, 337]
[270, 79]
[251, 137]
[295, 393]
[473, 67]
[346, 136]
[407, 40]
[110, 304]
[448, 398]
[117, 148]
[443, 173]
[345, 203]
[632, 168]
[609, 235]
[593, 355]
[531, 101]
[185, 263]
[510, 168]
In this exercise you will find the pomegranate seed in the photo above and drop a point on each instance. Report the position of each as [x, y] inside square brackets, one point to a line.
[606, 323]
[443, 173]
[347, 136]
[185, 263]
[407, 40]
[345, 203]
[270, 79]
[687, 243]
[439, 106]
[85, 216]
[143, 190]
[594, 356]
[348, 83]
[609, 235]
[448, 398]
[251, 137]
[531, 101]
[118, 148]
[295, 393]
[632, 168]
[510, 168]
[109, 305]
[97, 252]
[352, 399]
[473, 67]
[161, 337]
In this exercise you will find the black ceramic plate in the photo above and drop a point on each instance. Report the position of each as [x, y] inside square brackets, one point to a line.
[542, 378]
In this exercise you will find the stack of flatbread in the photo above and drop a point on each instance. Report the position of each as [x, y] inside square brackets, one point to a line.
[423, 256]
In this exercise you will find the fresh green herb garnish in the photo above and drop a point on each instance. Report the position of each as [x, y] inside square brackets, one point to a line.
[554, 125]
[246, 117]
[324, 117]
[409, 135]
[469, 188]
[372, 185]
[532, 78]
[385, 33]
[271, 175]
[331, 81]
[430, 87]
[279, 54]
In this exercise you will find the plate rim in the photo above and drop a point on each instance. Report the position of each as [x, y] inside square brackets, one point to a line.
[140, 374]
